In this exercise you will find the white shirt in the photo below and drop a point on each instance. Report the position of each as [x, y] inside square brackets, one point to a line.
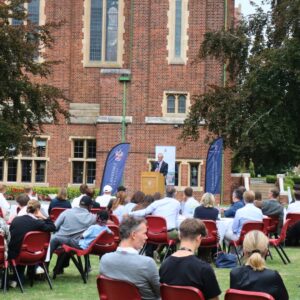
[128, 207]
[76, 201]
[119, 212]
[167, 207]
[189, 206]
[4, 203]
[294, 207]
[104, 199]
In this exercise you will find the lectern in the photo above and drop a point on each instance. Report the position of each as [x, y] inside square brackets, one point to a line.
[152, 182]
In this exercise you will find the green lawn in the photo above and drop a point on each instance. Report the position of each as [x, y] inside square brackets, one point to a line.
[70, 285]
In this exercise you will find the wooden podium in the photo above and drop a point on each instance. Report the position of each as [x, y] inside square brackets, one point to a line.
[152, 182]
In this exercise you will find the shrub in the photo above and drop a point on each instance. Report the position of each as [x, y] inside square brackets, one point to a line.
[296, 179]
[271, 179]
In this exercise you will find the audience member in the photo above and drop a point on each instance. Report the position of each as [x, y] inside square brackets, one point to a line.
[4, 231]
[294, 207]
[258, 196]
[148, 199]
[4, 205]
[157, 196]
[126, 263]
[21, 208]
[137, 197]
[293, 234]
[91, 193]
[248, 213]
[117, 206]
[183, 268]
[207, 211]
[106, 197]
[29, 191]
[189, 203]
[237, 203]
[76, 201]
[254, 276]
[61, 200]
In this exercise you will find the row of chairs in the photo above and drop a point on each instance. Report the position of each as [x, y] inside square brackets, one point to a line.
[112, 289]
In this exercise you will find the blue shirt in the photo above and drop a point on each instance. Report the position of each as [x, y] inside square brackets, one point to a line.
[90, 234]
[230, 212]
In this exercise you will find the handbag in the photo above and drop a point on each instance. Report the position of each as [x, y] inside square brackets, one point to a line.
[225, 260]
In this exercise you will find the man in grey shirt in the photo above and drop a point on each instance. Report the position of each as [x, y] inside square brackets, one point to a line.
[126, 263]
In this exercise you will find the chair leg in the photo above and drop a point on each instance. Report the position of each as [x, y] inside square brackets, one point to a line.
[168, 248]
[237, 255]
[86, 266]
[284, 253]
[78, 264]
[18, 279]
[5, 279]
[280, 255]
[47, 276]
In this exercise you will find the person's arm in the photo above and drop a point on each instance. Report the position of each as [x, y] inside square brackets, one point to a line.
[230, 212]
[236, 222]
[46, 225]
[143, 212]
[59, 221]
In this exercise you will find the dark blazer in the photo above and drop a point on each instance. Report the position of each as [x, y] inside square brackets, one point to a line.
[163, 169]
[59, 203]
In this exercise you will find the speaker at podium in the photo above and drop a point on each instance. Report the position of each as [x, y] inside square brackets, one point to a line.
[152, 182]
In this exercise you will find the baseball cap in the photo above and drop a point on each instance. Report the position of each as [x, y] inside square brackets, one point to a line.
[86, 201]
[107, 188]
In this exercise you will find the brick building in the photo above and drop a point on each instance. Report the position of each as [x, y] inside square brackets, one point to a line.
[155, 44]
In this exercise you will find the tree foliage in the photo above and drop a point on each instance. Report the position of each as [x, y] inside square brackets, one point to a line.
[257, 112]
[26, 100]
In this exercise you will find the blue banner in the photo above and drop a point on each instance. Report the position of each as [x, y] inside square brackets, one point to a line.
[114, 167]
[213, 174]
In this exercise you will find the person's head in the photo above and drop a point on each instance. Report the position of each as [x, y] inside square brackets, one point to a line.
[90, 192]
[148, 200]
[2, 188]
[297, 195]
[133, 232]
[120, 200]
[62, 194]
[208, 200]
[160, 156]
[157, 196]
[83, 189]
[188, 192]
[137, 197]
[170, 191]
[192, 230]
[28, 190]
[102, 217]
[255, 248]
[107, 189]
[22, 200]
[249, 196]
[273, 193]
[242, 189]
[33, 206]
[86, 202]
[258, 196]
[121, 188]
[237, 195]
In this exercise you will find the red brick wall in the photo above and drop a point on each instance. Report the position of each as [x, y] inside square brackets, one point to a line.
[151, 76]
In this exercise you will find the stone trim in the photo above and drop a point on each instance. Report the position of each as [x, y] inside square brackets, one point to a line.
[113, 119]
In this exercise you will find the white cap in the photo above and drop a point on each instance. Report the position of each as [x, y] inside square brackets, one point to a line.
[107, 188]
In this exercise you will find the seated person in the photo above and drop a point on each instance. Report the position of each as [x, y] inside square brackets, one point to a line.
[207, 211]
[126, 263]
[21, 209]
[83, 188]
[189, 203]
[4, 231]
[117, 206]
[293, 234]
[237, 203]
[183, 268]
[91, 193]
[148, 199]
[137, 198]
[254, 276]
[61, 200]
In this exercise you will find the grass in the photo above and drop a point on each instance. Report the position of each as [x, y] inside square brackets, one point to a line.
[70, 285]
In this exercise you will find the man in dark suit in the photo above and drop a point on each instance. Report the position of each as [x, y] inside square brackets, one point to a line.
[160, 165]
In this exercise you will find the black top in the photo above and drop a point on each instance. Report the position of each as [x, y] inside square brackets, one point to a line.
[267, 281]
[20, 226]
[56, 202]
[163, 169]
[206, 213]
[190, 271]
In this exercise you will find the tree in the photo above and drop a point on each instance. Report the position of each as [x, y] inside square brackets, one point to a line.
[26, 100]
[257, 111]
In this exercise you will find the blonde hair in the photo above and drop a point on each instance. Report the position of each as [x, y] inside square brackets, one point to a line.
[33, 206]
[62, 194]
[119, 201]
[255, 247]
[208, 200]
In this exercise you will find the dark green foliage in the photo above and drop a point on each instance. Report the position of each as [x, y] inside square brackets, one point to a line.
[271, 178]
[26, 100]
[257, 112]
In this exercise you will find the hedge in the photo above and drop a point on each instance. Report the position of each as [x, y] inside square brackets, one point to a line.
[271, 178]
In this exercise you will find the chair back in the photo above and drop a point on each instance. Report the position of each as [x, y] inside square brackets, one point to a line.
[294, 217]
[2, 250]
[104, 243]
[34, 248]
[233, 294]
[249, 226]
[212, 238]
[113, 289]
[283, 232]
[267, 223]
[115, 219]
[157, 229]
[170, 292]
[55, 212]
[115, 229]
[274, 221]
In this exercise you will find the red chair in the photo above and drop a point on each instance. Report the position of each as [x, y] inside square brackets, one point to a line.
[294, 218]
[115, 219]
[113, 289]
[3, 262]
[247, 226]
[276, 243]
[212, 238]
[170, 292]
[273, 225]
[101, 240]
[33, 251]
[55, 212]
[233, 294]
[1, 213]
[115, 229]
[157, 232]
